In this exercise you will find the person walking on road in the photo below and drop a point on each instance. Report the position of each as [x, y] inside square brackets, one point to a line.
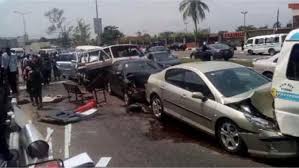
[34, 80]
[10, 66]
[46, 68]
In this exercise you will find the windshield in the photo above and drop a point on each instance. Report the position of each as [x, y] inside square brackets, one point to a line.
[141, 67]
[220, 46]
[231, 82]
[66, 57]
[163, 56]
[125, 51]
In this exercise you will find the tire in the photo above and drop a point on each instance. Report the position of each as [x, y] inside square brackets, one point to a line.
[127, 99]
[272, 51]
[268, 75]
[229, 137]
[157, 107]
[250, 52]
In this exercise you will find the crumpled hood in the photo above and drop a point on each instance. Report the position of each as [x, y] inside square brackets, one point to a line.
[260, 97]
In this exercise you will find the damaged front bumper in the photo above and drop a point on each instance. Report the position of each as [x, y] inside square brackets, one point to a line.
[270, 144]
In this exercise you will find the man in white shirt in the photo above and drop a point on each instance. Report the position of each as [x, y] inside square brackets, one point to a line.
[10, 65]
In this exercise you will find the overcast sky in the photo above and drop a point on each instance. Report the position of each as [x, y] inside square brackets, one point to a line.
[150, 16]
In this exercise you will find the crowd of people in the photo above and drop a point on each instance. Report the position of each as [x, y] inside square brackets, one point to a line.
[35, 70]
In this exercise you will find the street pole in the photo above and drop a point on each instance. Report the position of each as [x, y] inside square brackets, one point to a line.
[186, 31]
[244, 13]
[98, 33]
[24, 22]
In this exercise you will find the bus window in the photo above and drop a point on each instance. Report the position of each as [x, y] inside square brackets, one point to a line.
[293, 65]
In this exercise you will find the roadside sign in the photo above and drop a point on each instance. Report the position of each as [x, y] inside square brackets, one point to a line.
[97, 25]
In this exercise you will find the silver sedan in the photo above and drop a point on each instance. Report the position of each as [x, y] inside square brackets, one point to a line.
[220, 99]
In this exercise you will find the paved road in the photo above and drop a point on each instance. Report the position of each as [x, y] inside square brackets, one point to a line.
[239, 55]
[136, 139]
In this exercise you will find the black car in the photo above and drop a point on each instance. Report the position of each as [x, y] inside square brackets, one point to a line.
[215, 51]
[126, 78]
[163, 58]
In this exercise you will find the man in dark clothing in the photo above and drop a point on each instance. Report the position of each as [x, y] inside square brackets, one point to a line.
[34, 80]
[46, 69]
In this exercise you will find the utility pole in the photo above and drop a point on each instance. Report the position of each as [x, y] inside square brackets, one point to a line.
[24, 22]
[186, 31]
[244, 13]
[98, 24]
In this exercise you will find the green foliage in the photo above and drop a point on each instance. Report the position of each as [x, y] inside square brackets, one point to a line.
[111, 35]
[81, 33]
[246, 28]
[194, 9]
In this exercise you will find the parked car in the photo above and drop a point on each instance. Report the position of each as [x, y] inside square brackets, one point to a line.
[269, 44]
[163, 58]
[123, 51]
[127, 78]
[66, 64]
[178, 46]
[218, 98]
[157, 48]
[214, 51]
[266, 66]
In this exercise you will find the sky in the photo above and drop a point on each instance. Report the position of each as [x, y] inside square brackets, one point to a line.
[147, 16]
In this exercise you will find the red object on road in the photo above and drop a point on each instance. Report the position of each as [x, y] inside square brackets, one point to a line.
[89, 105]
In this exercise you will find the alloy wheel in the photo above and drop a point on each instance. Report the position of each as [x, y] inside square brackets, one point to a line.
[230, 137]
[126, 99]
[157, 107]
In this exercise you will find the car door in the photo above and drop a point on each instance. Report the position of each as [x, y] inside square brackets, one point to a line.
[196, 111]
[116, 78]
[172, 90]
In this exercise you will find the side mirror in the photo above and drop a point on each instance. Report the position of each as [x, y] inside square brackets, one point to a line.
[199, 95]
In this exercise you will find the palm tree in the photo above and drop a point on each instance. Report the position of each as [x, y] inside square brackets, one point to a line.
[195, 9]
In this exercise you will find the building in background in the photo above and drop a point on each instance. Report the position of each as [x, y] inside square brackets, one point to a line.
[295, 9]
[8, 42]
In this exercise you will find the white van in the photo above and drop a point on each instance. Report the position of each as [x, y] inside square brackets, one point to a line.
[269, 44]
[285, 86]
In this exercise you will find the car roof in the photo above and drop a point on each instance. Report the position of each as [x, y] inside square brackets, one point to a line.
[209, 66]
[117, 45]
[158, 52]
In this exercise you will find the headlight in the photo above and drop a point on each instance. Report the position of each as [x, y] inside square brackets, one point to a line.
[258, 122]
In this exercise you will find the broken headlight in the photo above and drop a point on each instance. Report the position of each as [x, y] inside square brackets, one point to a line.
[257, 121]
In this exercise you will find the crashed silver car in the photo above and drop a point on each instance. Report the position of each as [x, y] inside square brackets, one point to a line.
[227, 100]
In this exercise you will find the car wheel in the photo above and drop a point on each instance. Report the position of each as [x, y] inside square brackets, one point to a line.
[272, 52]
[157, 107]
[250, 52]
[229, 137]
[268, 75]
[109, 90]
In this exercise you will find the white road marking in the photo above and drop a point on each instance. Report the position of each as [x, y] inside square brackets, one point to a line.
[67, 140]
[103, 162]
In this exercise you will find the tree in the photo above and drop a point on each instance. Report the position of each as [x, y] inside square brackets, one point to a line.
[111, 34]
[57, 21]
[195, 9]
[166, 36]
[81, 33]
[246, 28]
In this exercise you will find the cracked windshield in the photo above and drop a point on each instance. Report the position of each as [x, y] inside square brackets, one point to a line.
[156, 83]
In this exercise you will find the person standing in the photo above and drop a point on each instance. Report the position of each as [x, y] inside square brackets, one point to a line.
[10, 67]
[46, 69]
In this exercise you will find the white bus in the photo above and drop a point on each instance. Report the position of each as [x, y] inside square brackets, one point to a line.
[269, 44]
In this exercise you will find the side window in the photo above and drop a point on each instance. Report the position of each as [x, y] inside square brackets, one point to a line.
[260, 41]
[175, 77]
[194, 83]
[107, 50]
[256, 41]
[103, 56]
[93, 56]
[276, 40]
[268, 40]
[275, 61]
[293, 65]
[249, 41]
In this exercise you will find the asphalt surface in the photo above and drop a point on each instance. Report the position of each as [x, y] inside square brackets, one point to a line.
[238, 55]
[133, 138]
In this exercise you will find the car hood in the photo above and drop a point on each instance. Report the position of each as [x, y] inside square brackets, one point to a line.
[170, 62]
[260, 98]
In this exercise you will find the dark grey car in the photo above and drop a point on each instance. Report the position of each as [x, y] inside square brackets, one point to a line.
[163, 58]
